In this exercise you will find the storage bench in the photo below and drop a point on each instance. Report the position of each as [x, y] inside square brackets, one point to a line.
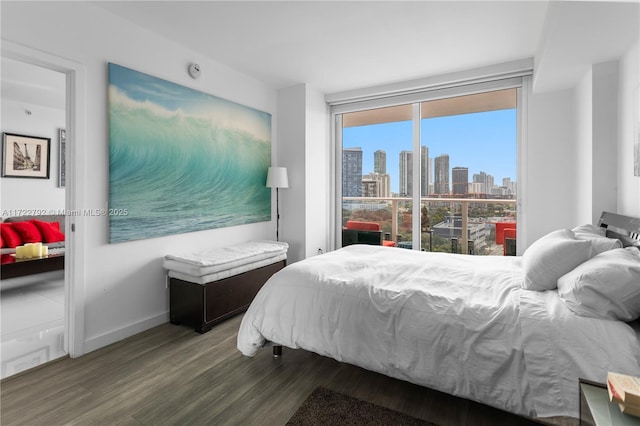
[208, 287]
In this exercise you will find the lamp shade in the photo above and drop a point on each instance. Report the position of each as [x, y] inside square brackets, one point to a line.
[277, 177]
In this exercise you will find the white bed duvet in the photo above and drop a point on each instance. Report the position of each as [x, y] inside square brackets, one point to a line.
[458, 324]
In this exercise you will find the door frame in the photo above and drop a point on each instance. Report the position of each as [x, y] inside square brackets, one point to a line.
[74, 277]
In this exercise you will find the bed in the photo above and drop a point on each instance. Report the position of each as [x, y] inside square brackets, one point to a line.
[488, 329]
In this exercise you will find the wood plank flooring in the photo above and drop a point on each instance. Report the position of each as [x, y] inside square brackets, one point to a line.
[170, 375]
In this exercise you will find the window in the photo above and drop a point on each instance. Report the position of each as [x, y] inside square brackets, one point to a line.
[433, 174]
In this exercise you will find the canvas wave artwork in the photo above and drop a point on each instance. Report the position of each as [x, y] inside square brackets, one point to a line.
[181, 160]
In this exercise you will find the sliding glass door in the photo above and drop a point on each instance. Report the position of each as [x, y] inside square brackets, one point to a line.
[435, 175]
[376, 170]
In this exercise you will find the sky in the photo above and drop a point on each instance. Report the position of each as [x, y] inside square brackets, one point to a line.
[484, 141]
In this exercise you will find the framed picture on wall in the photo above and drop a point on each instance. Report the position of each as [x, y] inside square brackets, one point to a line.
[62, 150]
[25, 156]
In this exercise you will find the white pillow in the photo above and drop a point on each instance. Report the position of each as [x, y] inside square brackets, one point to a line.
[606, 286]
[582, 232]
[597, 235]
[552, 256]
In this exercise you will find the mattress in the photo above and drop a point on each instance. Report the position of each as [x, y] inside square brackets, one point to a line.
[237, 270]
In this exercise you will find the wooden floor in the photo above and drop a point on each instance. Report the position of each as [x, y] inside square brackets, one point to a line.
[170, 375]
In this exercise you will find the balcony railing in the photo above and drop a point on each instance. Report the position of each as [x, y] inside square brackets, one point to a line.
[459, 215]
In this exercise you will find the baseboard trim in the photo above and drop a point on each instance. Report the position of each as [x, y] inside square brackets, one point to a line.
[114, 336]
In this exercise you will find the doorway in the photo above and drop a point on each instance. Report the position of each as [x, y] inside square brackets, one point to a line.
[74, 105]
[32, 329]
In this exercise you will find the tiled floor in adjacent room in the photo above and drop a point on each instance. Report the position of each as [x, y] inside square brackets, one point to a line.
[32, 327]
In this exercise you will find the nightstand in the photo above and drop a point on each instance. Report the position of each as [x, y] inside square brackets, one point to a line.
[596, 410]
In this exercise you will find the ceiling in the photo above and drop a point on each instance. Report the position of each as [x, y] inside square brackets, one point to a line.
[342, 45]
[336, 46]
[32, 85]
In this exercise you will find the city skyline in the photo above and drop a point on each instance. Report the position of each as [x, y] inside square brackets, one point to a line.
[482, 142]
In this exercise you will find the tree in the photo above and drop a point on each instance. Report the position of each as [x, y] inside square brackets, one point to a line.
[424, 220]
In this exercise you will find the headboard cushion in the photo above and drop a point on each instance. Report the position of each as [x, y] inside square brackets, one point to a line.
[624, 228]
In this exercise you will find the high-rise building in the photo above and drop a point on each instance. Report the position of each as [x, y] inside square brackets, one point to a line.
[486, 180]
[441, 174]
[380, 162]
[406, 173]
[476, 188]
[383, 184]
[424, 171]
[490, 183]
[509, 185]
[460, 180]
[352, 172]
[370, 188]
[431, 179]
[481, 178]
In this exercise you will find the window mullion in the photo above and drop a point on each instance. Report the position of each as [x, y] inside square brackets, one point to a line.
[337, 173]
[417, 190]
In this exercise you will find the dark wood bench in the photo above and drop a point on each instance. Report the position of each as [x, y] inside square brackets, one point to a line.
[201, 306]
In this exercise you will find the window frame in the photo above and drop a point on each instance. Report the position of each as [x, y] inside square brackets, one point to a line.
[519, 80]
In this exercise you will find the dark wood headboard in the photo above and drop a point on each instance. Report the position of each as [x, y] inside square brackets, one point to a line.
[625, 228]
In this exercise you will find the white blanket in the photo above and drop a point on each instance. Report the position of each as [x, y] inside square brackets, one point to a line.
[458, 324]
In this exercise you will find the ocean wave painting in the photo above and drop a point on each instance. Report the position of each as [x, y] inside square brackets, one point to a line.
[181, 160]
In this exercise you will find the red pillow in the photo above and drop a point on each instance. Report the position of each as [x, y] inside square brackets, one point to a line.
[27, 231]
[50, 231]
[9, 235]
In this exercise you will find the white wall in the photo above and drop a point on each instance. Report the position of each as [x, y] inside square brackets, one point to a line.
[604, 139]
[584, 154]
[19, 195]
[124, 284]
[551, 164]
[596, 99]
[575, 167]
[606, 104]
[628, 132]
[303, 147]
[586, 49]
[291, 154]
[317, 164]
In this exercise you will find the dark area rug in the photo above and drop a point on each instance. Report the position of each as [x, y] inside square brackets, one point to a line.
[326, 407]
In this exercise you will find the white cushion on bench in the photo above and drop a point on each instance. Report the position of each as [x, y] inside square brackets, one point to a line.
[227, 272]
[212, 261]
